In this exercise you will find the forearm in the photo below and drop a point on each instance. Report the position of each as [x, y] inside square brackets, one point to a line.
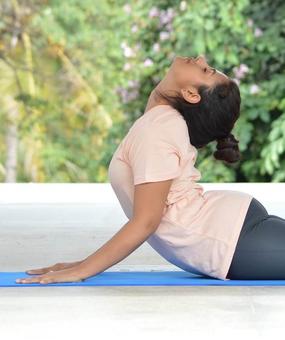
[122, 244]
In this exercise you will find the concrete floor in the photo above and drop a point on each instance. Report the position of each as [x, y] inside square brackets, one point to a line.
[41, 224]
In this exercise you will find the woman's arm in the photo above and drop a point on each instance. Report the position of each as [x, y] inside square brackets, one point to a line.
[122, 244]
[149, 203]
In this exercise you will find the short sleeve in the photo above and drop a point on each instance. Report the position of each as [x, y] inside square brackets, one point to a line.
[154, 156]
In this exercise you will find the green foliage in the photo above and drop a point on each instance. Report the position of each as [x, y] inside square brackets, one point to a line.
[80, 73]
[233, 35]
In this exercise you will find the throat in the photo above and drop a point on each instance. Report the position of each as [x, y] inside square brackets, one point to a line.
[153, 101]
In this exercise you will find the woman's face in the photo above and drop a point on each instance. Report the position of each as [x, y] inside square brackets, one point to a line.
[190, 71]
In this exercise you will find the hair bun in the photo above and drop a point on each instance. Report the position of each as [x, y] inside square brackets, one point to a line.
[227, 149]
[228, 141]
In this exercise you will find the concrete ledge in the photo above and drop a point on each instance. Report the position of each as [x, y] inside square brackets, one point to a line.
[103, 192]
[56, 205]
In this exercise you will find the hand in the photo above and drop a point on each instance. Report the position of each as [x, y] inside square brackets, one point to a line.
[65, 275]
[54, 268]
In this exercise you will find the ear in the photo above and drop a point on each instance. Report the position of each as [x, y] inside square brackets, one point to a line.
[191, 95]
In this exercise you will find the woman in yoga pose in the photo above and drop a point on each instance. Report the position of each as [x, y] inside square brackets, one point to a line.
[262, 236]
[224, 234]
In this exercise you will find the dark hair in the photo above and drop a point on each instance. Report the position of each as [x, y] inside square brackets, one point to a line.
[212, 118]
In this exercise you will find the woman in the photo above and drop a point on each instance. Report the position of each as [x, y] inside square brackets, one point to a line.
[219, 233]
[223, 234]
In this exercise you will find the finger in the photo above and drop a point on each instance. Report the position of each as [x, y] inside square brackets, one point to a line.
[46, 281]
[38, 271]
[29, 280]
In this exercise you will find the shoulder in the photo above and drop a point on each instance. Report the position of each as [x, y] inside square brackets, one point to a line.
[172, 126]
[168, 126]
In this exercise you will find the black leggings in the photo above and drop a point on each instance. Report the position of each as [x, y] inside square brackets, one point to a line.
[260, 251]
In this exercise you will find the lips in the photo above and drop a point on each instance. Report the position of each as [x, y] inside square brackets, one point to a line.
[189, 60]
[185, 59]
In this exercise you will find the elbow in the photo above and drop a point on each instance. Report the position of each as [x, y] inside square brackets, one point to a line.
[148, 223]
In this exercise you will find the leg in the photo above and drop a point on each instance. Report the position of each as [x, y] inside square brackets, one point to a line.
[260, 254]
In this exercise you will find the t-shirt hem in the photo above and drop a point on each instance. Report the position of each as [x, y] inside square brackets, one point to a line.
[230, 253]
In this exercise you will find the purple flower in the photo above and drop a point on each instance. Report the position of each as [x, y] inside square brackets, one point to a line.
[243, 68]
[154, 12]
[254, 88]
[170, 12]
[258, 32]
[240, 71]
[148, 62]
[166, 16]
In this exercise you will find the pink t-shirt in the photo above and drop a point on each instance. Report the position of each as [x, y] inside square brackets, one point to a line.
[199, 230]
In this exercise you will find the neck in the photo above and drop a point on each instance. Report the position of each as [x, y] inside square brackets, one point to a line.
[165, 86]
[154, 98]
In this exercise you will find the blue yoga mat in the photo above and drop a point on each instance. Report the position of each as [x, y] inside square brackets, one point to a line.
[139, 278]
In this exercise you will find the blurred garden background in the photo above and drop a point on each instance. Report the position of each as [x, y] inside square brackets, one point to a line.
[76, 74]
